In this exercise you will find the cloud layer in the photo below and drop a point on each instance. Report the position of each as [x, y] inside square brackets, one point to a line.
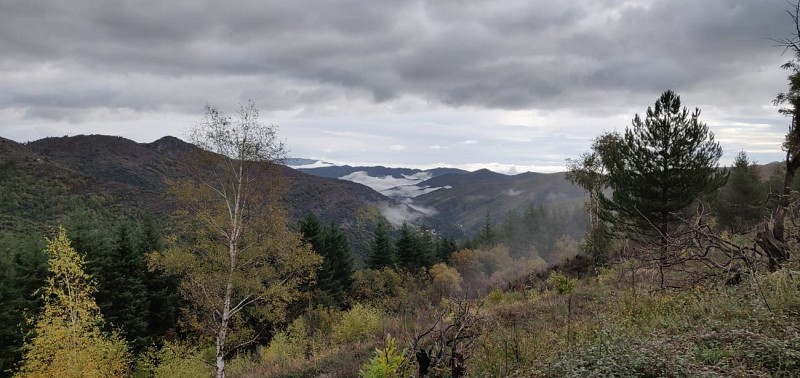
[505, 82]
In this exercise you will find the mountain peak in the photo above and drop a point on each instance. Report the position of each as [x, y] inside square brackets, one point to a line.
[170, 145]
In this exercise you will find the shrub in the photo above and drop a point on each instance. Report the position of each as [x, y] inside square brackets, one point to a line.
[445, 280]
[359, 323]
[177, 361]
[287, 346]
[561, 283]
[388, 362]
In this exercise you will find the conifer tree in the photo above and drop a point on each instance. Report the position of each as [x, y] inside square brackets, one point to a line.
[68, 340]
[24, 270]
[162, 287]
[408, 255]
[740, 203]
[311, 231]
[336, 273]
[487, 236]
[445, 248]
[426, 246]
[661, 166]
[382, 252]
[122, 293]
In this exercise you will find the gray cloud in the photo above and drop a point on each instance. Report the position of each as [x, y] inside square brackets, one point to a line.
[311, 63]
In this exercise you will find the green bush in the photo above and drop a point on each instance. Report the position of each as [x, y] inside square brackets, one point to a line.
[178, 361]
[287, 346]
[388, 362]
[359, 323]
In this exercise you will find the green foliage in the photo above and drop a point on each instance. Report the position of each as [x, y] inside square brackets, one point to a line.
[122, 296]
[660, 166]
[288, 345]
[740, 204]
[335, 275]
[175, 360]
[562, 283]
[67, 340]
[23, 270]
[386, 289]
[445, 248]
[409, 256]
[487, 237]
[536, 230]
[359, 323]
[382, 252]
[388, 362]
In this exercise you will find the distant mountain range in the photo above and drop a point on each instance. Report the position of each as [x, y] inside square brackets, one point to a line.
[459, 198]
[451, 201]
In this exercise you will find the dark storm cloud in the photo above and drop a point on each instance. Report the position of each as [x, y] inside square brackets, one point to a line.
[497, 54]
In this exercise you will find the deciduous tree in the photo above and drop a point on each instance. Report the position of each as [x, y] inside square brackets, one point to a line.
[240, 262]
[68, 341]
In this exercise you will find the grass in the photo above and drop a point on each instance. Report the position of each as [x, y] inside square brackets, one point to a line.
[619, 326]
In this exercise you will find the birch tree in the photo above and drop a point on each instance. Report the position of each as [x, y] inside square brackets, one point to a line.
[240, 263]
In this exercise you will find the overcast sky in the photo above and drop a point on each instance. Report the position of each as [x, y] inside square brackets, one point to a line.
[509, 85]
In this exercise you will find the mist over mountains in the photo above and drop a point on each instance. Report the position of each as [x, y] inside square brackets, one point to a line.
[450, 201]
[448, 194]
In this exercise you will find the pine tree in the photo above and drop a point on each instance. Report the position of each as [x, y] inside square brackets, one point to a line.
[382, 252]
[740, 203]
[23, 270]
[68, 341]
[661, 166]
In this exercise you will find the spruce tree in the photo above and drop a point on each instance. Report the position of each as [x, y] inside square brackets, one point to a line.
[426, 246]
[445, 248]
[311, 231]
[661, 166]
[381, 252]
[122, 293]
[162, 288]
[408, 255]
[487, 236]
[336, 273]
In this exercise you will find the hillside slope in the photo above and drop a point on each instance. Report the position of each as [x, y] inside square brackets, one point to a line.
[470, 197]
[135, 175]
